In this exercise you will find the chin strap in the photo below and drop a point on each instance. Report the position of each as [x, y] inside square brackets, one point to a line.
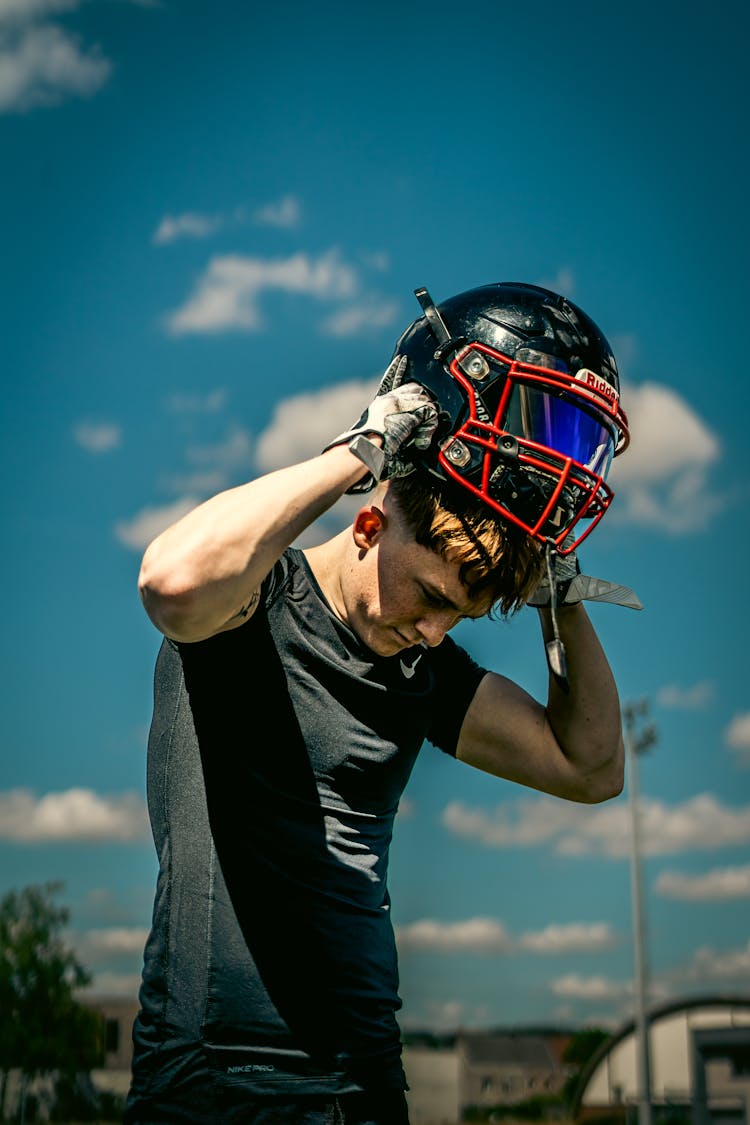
[578, 589]
[555, 648]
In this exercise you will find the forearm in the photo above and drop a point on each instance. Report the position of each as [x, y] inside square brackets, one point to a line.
[207, 568]
[586, 718]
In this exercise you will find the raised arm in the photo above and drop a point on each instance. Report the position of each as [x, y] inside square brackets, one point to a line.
[203, 574]
[572, 747]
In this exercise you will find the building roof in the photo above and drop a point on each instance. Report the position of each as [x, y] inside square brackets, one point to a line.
[488, 1048]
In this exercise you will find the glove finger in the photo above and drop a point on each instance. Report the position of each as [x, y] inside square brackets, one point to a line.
[393, 376]
[425, 431]
[412, 395]
[409, 413]
[398, 467]
[400, 371]
[398, 428]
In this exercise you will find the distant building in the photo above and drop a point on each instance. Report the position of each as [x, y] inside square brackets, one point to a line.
[502, 1069]
[118, 1014]
[432, 1074]
[700, 1065]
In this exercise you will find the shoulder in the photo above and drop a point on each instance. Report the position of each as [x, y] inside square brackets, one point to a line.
[450, 659]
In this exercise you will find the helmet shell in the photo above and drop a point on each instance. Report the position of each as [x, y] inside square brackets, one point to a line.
[544, 341]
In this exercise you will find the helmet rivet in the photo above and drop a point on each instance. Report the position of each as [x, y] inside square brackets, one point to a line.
[458, 454]
[474, 365]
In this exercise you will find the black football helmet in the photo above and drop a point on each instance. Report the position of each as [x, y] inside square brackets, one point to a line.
[528, 393]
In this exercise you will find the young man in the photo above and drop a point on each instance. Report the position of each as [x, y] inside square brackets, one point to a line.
[294, 690]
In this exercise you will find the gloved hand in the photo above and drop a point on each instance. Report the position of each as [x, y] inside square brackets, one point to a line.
[401, 413]
[573, 587]
[563, 585]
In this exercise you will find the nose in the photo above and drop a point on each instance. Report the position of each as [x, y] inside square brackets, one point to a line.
[433, 627]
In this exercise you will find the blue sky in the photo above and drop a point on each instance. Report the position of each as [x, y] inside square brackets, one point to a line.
[213, 218]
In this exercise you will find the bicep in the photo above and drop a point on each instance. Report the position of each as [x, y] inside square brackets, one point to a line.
[506, 732]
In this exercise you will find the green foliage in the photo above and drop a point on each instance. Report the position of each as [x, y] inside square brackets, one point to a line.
[78, 1100]
[579, 1050]
[583, 1044]
[44, 1028]
[542, 1107]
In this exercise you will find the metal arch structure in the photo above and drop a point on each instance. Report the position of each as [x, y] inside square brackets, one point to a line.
[717, 1026]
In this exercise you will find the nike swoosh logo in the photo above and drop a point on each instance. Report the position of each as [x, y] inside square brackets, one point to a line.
[410, 669]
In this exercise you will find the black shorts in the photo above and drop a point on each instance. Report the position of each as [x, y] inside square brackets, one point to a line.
[387, 1107]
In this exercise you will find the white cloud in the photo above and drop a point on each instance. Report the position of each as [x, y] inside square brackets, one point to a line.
[377, 260]
[702, 823]
[210, 403]
[662, 479]
[218, 465]
[406, 808]
[487, 935]
[199, 482]
[721, 884]
[227, 294]
[285, 212]
[97, 437]
[108, 984]
[41, 64]
[374, 312]
[115, 941]
[575, 937]
[526, 823]
[188, 225]
[737, 737]
[563, 282]
[232, 452]
[28, 11]
[446, 1015]
[303, 425]
[724, 965]
[596, 988]
[686, 699]
[137, 533]
[476, 935]
[71, 815]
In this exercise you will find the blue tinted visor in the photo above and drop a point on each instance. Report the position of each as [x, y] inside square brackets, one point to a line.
[554, 421]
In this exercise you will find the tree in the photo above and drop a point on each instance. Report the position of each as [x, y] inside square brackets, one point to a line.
[44, 1029]
[579, 1050]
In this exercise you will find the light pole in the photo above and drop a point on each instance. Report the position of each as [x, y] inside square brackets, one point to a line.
[636, 742]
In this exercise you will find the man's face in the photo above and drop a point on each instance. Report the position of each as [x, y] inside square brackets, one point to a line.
[407, 595]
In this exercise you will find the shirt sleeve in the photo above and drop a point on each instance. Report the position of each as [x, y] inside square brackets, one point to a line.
[457, 677]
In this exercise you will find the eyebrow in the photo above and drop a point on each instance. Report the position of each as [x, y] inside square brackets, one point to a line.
[438, 595]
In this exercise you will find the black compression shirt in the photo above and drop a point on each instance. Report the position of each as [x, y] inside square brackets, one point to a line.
[277, 757]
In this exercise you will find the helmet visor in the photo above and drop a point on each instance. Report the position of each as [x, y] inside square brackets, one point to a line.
[551, 420]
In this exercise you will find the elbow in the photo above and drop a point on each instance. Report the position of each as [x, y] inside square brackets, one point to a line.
[604, 789]
[168, 603]
[607, 782]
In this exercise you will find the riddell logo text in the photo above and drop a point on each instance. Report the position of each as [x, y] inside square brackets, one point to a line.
[601, 386]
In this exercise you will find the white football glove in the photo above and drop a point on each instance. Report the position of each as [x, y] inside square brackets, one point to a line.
[401, 413]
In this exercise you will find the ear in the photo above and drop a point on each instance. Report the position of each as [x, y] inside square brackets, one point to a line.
[368, 525]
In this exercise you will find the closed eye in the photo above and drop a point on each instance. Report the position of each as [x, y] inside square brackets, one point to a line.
[435, 600]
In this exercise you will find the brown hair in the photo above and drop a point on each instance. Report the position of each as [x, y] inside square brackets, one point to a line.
[497, 559]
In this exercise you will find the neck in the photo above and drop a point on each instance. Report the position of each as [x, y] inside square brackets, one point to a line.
[325, 561]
